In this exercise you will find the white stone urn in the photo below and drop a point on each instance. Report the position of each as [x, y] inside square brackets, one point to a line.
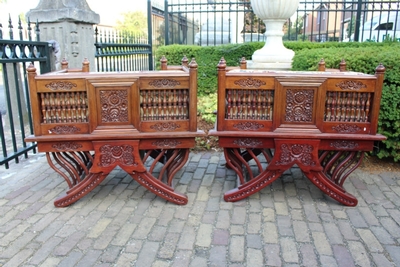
[274, 13]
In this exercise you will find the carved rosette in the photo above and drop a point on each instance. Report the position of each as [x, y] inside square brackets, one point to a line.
[346, 128]
[164, 83]
[344, 144]
[248, 126]
[64, 129]
[67, 146]
[351, 85]
[247, 142]
[114, 105]
[166, 143]
[110, 155]
[250, 83]
[165, 126]
[296, 152]
[62, 86]
[299, 105]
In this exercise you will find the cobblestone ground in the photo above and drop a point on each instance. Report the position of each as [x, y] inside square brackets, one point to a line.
[290, 223]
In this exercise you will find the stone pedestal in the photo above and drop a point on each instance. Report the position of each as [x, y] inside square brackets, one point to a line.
[274, 13]
[70, 25]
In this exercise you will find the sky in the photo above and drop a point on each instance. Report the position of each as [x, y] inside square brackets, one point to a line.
[109, 11]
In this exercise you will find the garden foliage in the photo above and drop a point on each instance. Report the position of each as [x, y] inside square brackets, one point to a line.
[359, 57]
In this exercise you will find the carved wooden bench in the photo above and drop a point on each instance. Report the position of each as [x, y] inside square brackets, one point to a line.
[322, 121]
[88, 123]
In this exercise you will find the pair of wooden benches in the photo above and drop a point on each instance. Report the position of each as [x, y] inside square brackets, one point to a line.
[89, 123]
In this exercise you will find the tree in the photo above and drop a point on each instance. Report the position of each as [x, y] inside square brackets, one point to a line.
[133, 23]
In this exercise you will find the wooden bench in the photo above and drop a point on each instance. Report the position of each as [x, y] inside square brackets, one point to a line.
[88, 123]
[322, 121]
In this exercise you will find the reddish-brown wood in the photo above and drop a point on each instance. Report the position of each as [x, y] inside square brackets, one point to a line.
[89, 123]
[321, 121]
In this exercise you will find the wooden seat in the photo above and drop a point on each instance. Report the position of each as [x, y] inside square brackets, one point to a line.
[88, 123]
[322, 121]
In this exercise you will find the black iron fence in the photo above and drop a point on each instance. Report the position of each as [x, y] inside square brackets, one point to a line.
[216, 22]
[123, 51]
[15, 111]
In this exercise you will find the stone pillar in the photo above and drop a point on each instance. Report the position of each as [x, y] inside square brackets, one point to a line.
[70, 25]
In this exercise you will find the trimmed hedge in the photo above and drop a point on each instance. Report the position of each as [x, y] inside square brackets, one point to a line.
[360, 57]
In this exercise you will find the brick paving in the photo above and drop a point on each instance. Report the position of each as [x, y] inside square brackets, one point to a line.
[290, 223]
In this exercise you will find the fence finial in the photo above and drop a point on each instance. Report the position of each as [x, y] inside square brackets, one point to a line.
[342, 65]
[321, 65]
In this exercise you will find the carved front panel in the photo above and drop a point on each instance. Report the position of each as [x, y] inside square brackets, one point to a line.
[114, 105]
[299, 105]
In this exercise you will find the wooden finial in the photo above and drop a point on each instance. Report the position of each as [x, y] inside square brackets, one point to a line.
[163, 61]
[380, 69]
[243, 63]
[185, 61]
[193, 63]
[222, 63]
[342, 65]
[64, 64]
[31, 68]
[321, 65]
[85, 65]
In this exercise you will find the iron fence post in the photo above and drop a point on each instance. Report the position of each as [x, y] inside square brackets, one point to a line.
[150, 33]
[166, 18]
[358, 21]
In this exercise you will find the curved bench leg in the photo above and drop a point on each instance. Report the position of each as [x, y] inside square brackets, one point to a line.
[81, 189]
[159, 188]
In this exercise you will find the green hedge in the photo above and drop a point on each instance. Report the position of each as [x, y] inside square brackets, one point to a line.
[360, 57]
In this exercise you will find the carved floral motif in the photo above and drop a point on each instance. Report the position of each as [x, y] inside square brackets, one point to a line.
[64, 129]
[60, 86]
[299, 105]
[249, 83]
[114, 105]
[344, 144]
[110, 155]
[247, 142]
[166, 143]
[165, 126]
[66, 146]
[351, 85]
[346, 128]
[248, 126]
[163, 83]
[296, 152]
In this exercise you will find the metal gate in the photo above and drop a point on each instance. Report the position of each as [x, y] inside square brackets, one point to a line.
[15, 111]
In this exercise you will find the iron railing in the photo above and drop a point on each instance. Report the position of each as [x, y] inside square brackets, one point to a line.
[15, 111]
[123, 51]
[216, 22]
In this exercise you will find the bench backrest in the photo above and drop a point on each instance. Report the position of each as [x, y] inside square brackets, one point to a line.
[287, 101]
[76, 101]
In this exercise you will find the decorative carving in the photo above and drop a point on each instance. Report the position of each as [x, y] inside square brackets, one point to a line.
[66, 146]
[163, 83]
[344, 144]
[166, 143]
[299, 152]
[165, 126]
[147, 182]
[110, 155]
[64, 129]
[64, 86]
[351, 85]
[248, 126]
[346, 128]
[247, 142]
[114, 105]
[299, 105]
[249, 83]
